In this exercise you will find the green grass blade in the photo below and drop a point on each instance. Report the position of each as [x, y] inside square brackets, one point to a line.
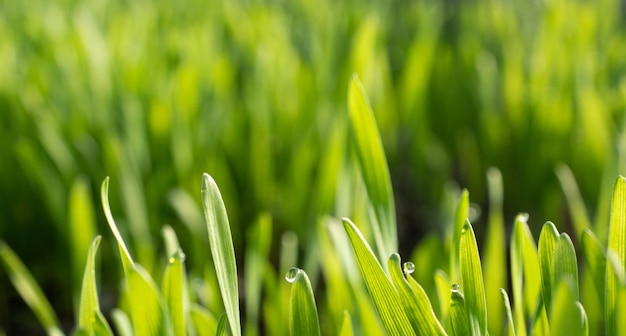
[82, 229]
[495, 267]
[517, 273]
[146, 304]
[90, 318]
[617, 247]
[303, 318]
[473, 285]
[127, 261]
[175, 291]
[346, 325]
[415, 302]
[577, 208]
[29, 290]
[566, 265]
[566, 318]
[583, 317]
[204, 322]
[460, 216]
[222, 326]
[595, 258]
[509, 314]
[442, 286]
[122, 323]
[381, 290]
[548, 239]
[371, 156]
[458, 313]
[222, 250]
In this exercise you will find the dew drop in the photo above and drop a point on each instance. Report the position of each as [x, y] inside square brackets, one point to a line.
[177, 255]
[408, 267]
[292, 274]
[523, 217]
[455, 288]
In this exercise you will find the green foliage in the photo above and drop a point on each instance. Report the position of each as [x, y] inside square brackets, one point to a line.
[364, 296]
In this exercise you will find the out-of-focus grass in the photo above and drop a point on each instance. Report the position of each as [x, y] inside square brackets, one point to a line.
[155, 93]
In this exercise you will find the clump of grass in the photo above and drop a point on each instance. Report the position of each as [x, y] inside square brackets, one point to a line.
[550, 286]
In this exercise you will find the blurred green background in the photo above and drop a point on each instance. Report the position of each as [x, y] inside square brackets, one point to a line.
[154, 93]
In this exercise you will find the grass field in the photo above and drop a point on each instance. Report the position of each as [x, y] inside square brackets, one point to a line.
[521, 104]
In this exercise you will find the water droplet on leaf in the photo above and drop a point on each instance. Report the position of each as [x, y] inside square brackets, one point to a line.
[292, 274]
[408, 267]
[455, 288]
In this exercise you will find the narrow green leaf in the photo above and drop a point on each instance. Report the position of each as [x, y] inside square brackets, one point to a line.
[458, 313]
[566, 265]
[596, 261]
[442, 284]
[494, 261]
[82, 229]
[415, 302]
[29, 290]
[507, 308]
[303, 318]
[525, 274]
[382, 292]
[127, 261]
[222, 250]
[548, 240]
[371, 155]
[90, 319]
[460, 217]
[222, 326]
[583, 317]
[577, 208]
[147, 308]
[616, 246]
[122, 323]
[146, 304]
[175, 291]
[203, 321]
[346, 325]
[565, 317]
[473, 285]
[171, 241]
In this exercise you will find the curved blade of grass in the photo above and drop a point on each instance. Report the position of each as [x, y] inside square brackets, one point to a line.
[303, 318]
[29, 290]
[127, 261]
[507, 308]
[381, 290]
[458, 313]
[548, 239]
[147, 309]
[204, 322]
[583, 317]
[175, 291]
[473, 285]
[346, 325]
[566, 265]
[596, 261]
[460, 217]
[90, 318]
[617, 247]
[371, 156]
[416, 304]
[222, 250]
